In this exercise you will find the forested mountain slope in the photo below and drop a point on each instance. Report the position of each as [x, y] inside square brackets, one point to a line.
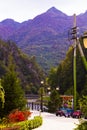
[29, 72]
[45, 36]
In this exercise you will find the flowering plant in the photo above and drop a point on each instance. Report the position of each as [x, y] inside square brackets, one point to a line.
[17, 116]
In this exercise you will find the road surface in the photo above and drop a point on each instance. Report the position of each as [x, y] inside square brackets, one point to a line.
[53, 122]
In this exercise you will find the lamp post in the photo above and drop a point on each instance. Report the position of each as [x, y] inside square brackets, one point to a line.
[41, 96]
[74, 63]
[77, 43]
[48, 90]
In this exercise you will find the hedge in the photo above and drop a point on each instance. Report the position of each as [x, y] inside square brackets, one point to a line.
[31, 124]
[26, 125]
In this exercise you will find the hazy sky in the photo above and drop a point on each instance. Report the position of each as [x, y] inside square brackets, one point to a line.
[22, 10]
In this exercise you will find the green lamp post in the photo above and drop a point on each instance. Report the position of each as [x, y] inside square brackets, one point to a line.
[41, 94]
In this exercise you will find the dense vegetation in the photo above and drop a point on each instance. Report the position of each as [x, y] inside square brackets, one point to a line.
[62, 75]
[82, 126]
[54, 102]
[12, 96]
[29, 72]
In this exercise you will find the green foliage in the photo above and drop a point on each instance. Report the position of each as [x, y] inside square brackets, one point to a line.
[83, 105]
[28, 71]
[54, 101]
[51, 50]
[65, 72]
[52, 78]
[82, 126]
[63, 76]
[31, 124]
[26, 125]
[14, 95]
[84, 91]
[2, 95]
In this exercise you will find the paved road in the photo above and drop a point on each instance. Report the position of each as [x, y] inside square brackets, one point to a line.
[52, 122]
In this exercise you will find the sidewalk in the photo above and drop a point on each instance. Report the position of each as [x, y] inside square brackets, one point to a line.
[52, 122]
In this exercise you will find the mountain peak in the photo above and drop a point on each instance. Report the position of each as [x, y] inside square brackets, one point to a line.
[56, 12]
[52, 9]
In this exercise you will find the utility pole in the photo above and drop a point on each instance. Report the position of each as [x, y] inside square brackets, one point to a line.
[74, 60]
[76, 43]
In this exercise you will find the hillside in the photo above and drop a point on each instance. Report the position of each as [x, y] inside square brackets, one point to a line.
[29, 72]
[45, 36]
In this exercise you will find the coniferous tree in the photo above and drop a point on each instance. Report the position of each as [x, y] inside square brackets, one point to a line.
[54, 102]
[14, 95]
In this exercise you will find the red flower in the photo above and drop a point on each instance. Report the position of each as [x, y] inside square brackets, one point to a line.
[18, 116]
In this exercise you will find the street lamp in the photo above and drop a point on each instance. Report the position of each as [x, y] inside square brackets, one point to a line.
[41, 95]
[85, 39]
[48, 90]
[42, 82]
[57, 88]
[75, 39]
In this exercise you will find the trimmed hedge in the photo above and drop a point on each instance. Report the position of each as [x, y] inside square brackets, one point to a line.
[31, 124]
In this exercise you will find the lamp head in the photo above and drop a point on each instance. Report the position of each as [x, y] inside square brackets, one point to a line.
[42, 82]
[85, 39]
[57, 88]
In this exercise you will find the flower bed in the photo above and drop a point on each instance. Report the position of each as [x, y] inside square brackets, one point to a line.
[18, 120]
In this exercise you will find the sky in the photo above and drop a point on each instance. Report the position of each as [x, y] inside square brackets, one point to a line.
[22, 10]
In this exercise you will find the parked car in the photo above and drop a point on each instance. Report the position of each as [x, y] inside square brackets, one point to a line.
[60, 113]
[64, 112]
[77, 114]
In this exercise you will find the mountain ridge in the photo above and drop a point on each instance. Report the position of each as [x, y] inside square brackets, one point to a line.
[45, 36]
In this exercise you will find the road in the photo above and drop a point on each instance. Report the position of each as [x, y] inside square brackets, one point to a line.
[53, 122]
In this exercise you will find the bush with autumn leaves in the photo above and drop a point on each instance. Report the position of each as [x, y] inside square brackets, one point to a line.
[17, 115]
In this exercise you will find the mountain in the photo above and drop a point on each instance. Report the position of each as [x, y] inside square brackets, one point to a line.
[29, 72]
[7, 27]
[45, 36]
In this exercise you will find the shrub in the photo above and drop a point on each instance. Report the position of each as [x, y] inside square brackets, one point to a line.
[82, 126]
[17, 116]
[31, 124]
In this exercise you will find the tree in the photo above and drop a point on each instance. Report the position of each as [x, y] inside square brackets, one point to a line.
[84, 91]
[52, 78]
[64, 76]
[55, 101]
[14, 95]
[2, 94]
[83, 105]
